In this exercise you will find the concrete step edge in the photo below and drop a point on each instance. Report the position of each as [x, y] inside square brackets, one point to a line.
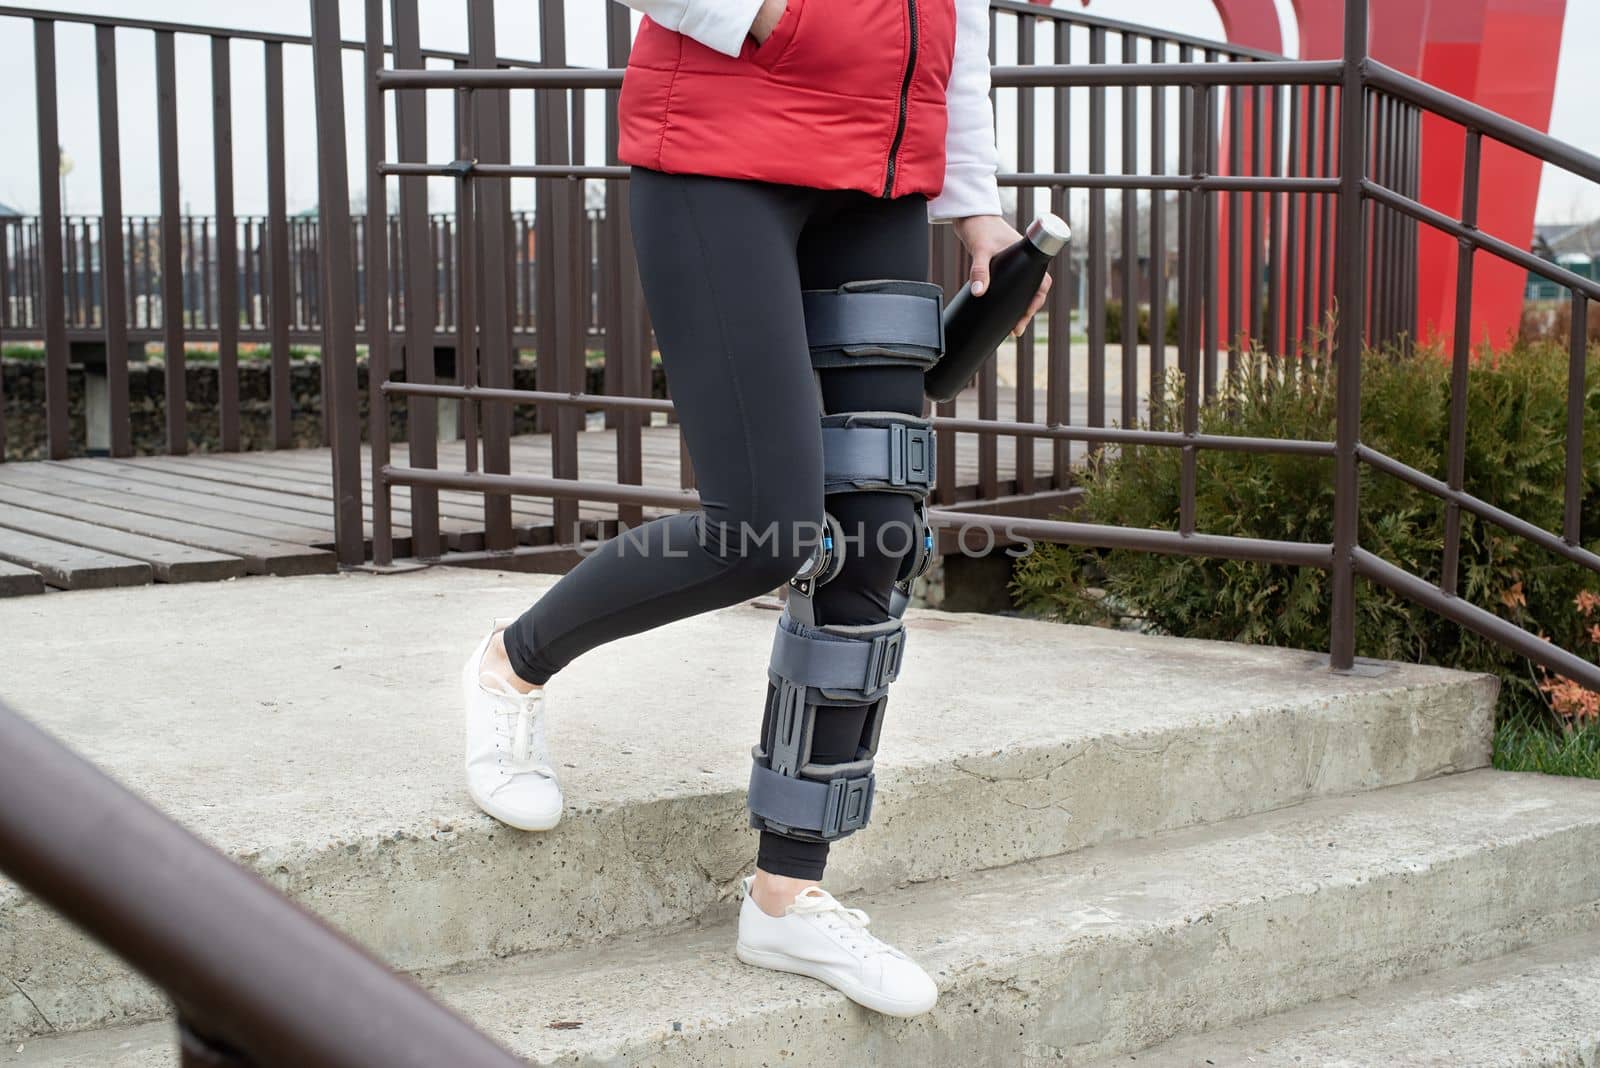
[1078, 957]
[416, 894]
[1529, 1009]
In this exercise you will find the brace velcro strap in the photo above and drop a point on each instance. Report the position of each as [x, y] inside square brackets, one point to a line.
[854, 667]
[827, 809]
[877, 451]
[874, 322]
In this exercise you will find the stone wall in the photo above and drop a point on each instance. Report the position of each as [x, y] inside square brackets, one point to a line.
[24, 405]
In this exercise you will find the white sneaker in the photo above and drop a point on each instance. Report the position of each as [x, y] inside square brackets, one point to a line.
[508, 764]
[818, 937]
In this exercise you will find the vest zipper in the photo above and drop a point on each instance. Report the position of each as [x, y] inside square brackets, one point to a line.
[905, 91]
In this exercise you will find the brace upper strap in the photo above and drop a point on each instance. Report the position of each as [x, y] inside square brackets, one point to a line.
[877, 451]
[824, 808]
[845, 667]
[874, 322]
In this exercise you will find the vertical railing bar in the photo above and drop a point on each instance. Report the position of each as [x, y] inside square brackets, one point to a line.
[52, 308]
[1194, 321]
[1130, 244]
[467, 263]
[1413, 158]
[464, 286]
[69, 248]
[114, 296]
[377, 283]
[628, 351]
[1347, 355]
[227, 253]
[1291, 257]
[1187, 331]
[562, 206]
[337, 277]
[989, 374]
[1158, 236]
[1258, 129]
[1097, 245]
[172, 271]
[1027, 27]
[1235, 216]
[1058, 384]
[1577, 354]
[206, 264]
[421, 285]
[191, 298]
[1383, 246]
[1208, 260]
[279, 297]
[1325, 214]
[1308, 265]
[496, 352]
[1460, 361]
[1274, 249]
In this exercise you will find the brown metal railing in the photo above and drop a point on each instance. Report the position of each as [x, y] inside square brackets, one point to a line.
[255, 979]
[46, 294]
[1335, 208]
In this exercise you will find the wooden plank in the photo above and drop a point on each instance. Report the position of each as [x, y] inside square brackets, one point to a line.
[71, 567]
[460, 504]
[169, 561]
[135, 471]
[261, 556]
[197, 515]
[462, 533]
[466, 504]
[68, 477]
[19, 581]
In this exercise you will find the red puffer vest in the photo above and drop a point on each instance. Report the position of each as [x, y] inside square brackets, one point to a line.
[843, 94]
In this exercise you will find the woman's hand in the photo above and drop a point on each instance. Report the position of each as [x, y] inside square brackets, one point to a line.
[985, 235]
[771, 11]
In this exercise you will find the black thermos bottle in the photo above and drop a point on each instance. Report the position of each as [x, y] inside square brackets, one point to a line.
[975, 326]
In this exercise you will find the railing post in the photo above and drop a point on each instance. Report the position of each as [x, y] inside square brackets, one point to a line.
[1347, 347]
[338, 281]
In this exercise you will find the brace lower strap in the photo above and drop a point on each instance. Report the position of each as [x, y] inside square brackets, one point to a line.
[828, 809]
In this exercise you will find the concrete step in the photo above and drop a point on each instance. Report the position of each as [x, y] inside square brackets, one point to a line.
[1078, 957]
[310, 727]
[1532, 1009]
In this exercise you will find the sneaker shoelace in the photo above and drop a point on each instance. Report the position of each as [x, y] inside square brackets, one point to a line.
[849, 923]
[519, 719]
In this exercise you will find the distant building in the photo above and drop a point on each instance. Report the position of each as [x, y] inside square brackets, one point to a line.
[1575, 246]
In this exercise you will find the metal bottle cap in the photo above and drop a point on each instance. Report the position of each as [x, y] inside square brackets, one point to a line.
[1049, 232]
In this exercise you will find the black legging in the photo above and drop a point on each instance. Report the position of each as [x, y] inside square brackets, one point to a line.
[722, 262]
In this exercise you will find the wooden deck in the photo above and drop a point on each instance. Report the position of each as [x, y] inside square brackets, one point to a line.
[87, 523]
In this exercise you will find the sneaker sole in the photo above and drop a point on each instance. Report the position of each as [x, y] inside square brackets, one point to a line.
[781, 962]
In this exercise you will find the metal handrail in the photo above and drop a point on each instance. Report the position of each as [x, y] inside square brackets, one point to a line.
[249, 971]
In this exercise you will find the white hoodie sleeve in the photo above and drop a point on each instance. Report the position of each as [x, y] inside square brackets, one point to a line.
[971, 158]
[718, 24]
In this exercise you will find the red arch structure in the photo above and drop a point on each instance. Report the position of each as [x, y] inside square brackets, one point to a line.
[1498, 53]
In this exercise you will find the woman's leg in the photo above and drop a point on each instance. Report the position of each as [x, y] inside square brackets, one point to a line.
[853, 237]
[721, 280]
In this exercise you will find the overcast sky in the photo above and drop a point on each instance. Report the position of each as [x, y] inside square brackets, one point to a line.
[1576, 116]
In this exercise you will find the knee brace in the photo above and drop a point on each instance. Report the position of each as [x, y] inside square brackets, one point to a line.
[814, 668]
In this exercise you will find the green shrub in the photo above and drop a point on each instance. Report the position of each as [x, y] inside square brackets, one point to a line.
[1114, 323]
[1520, 746]
[1515, 459]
